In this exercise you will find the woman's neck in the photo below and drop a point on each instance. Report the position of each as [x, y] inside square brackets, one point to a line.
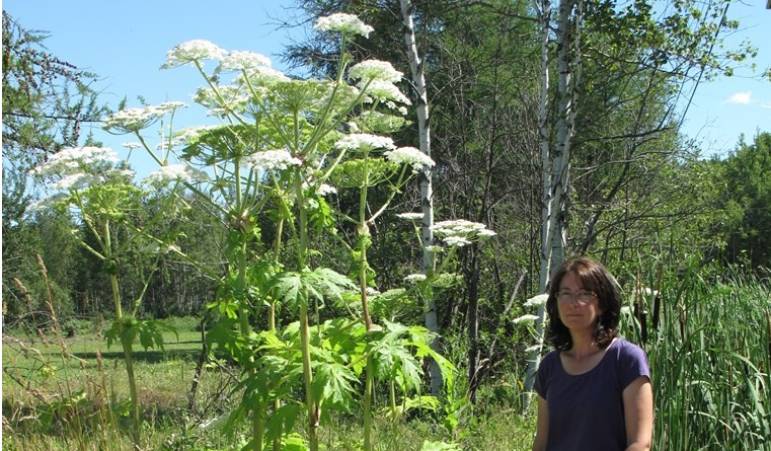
[583, 345]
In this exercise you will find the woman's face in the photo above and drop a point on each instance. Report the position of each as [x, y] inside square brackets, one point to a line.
[578, 307]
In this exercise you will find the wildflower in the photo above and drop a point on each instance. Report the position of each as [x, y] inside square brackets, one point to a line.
[325, 189]
[231, 98]
[460, 232]
[364, 142]
[132, 145]
[172, 173]
[456, 241]
[434, 249]
[410, 156]
[415, 278]
[191, 134]
[626, 310]
[75, 160]
[384, 91]
[374, 70]
[242, 60]
[192, 51]
[343, 23]
[279, 160]
[410, 216]
[261, 75]
[132, 120]
[524, 319]
[537, 300]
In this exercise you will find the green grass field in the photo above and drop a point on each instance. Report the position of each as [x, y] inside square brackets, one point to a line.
[51, 401]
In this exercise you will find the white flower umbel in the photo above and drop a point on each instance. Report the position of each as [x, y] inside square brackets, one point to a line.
[460, 232]
[415, 278]
[260, 76]
[132, 120]
[458, 241]
[235, 99]
[269, 160]
[374, 70]
[364, 142]
[410, 216]
[385, 91]
[190, 135]
[325, 189]
[243, 60]
[524, 319]
[411, 157]
[343, 23]
[77, 160]
[537, 300]
[172, 173]
[191, 51]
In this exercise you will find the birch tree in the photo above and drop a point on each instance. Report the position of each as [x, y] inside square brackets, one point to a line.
[424, 178]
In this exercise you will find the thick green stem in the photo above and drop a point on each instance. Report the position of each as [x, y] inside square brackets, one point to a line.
[392, 394]
[363, 241]
[258, 426]
[368, 389]
[128, 355]
[313, 415]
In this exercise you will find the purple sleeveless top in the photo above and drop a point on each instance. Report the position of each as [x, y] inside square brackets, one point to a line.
[586, 411]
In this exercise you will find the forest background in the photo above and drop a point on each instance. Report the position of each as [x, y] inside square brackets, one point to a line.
[676, 227]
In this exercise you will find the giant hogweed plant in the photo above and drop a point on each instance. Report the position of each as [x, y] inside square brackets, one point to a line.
[279, 145]
[96, 188]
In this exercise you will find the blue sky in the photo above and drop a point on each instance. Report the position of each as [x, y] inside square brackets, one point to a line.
[125, 42]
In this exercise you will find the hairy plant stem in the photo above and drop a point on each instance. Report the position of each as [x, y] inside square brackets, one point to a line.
[368, 389]
[125, 340]
[302, 254]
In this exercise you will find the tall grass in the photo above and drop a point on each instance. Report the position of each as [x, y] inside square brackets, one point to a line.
[709, 348]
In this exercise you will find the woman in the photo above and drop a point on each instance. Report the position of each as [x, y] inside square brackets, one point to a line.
[594, 388]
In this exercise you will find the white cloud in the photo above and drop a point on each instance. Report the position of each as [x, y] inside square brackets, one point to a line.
[766, 105]
[740, 98]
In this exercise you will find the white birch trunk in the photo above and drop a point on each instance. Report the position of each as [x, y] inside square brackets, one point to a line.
[544, 8]
[556, 183]
[426, 190]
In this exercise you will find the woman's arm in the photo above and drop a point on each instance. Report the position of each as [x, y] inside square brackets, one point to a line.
[638, 413]
[541, 426]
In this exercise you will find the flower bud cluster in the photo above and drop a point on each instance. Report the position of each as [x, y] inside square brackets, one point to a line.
[175, 172]
[364, 142]
[410, 156]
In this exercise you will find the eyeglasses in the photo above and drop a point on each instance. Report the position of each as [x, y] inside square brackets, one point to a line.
[582, 297]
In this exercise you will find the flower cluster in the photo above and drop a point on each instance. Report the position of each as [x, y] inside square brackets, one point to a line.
[325, 189]
[371, 70]
[76, 160]
[278, 160]
[192, 51]
[410, 156]
[364, 142]
[537, 300]
[415, 278]
[410, 216]
[243, 60]
[343, 23]
[231, 98]
[174, 172]
[385, 91]
[525, 319]
[77, 168]
[461, 232]
[132, 120]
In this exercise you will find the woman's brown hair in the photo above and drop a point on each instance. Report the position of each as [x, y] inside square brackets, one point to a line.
[595, 278]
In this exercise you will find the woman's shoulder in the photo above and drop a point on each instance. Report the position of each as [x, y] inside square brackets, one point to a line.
[627, 349]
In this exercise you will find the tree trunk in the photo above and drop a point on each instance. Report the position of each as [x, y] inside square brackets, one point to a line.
[424, 179]
[554, 228]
